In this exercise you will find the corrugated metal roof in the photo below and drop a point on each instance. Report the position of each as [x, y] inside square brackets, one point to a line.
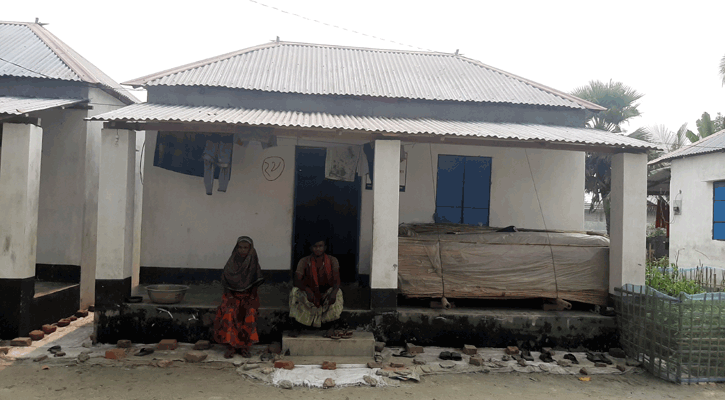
[10, 105]
[336, 70]
[28, 50]
[549, 133]
[711, 144]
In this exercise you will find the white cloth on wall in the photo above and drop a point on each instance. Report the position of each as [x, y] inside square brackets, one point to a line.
[341, 163]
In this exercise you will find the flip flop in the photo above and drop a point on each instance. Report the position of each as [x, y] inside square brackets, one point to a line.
[144, 352]
[445, 355]
[54, 349]
[604, 358]
[546, 357]
[456, 356]
[404, 354]
[526, 355]
[571, 358]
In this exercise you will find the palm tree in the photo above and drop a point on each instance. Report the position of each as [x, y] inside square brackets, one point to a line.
[705, 127]
[620, 101]
[670, 140]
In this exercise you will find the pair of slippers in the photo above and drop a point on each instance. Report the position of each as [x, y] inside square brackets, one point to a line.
[54, 349]
[450, 355]
[598, 358]
[339, 334]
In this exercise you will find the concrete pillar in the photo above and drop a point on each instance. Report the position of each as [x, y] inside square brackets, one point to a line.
[116, 192]
[628, 220]
[19, 190]
[386, 196]
[90, 214]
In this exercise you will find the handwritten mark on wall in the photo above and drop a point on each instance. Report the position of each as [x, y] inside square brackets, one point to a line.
[272, 168]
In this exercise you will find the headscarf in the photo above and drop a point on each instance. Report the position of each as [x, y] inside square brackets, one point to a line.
[242, 273]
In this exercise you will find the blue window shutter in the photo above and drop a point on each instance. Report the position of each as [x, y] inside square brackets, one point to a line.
[718, 213]
[718, 231]
[449, 193]
[477, 190]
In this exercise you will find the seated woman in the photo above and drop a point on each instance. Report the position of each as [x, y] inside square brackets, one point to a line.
[316, 297]
[236, 319]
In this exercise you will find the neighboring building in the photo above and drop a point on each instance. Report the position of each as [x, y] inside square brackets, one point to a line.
[697, 202]
[595, 219]
[428, 137]
[49, 166]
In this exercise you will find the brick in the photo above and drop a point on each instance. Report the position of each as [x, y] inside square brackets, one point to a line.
[48, 329]
[621, 367]
[63, 322]
[413, 349]
[328, 383]
[116, 354]
[72, 318]
[36, 335]
[202, 345]
[81, 313]
[275, 348]
[195, 356]
[286, 364]
[478, 361]
[396, 365]
[59, 354]
[584, 371]
[469, 349]
[329, 365]
[21, 342]
[168, 344]
[123, 344]
[164, 363]
[511, 350]
[375, 365]
[379, 346]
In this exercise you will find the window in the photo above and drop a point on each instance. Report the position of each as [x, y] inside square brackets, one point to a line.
[464, 190]
[718, 210]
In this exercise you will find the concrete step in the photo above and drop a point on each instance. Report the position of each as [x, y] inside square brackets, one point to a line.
[314, 344]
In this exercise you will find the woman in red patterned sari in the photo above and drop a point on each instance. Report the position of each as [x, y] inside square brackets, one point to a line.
[236, 318]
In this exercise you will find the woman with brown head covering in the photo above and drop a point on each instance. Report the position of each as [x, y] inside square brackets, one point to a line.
[236, 319]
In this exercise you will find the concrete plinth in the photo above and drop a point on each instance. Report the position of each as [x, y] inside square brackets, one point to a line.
[313, 344]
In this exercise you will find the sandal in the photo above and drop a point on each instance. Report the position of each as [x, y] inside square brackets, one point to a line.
[445, 355]
[230, 352]
[571, 358]
[526, 355]
[144, 352]
[455, 356]
[546, 357]
[404, 354]
[604, 358]
[54, 349]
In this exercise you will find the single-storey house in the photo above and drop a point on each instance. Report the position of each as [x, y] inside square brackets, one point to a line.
[49, 166]
[697, 202]
[348, 143]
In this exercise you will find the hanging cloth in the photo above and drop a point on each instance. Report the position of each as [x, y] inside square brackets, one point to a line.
[341, 163]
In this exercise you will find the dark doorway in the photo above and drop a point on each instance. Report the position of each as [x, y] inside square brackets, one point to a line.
[325, 208]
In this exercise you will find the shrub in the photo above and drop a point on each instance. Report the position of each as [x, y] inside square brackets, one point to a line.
[666, 278]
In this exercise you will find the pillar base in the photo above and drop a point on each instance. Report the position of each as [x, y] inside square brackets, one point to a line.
[383, 299]
[16, 297]
[111, 293]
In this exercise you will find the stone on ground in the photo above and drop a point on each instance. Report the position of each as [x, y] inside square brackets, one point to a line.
[168, 344]
[370, 380]
[285, 384]
[617, 352]
[476, 360]
[511, 350]
[379, 346]
[329, 365]
[115, 354]
[413, 349]
[328, 383]
[469, 349]
[40, 358]
[123, 344]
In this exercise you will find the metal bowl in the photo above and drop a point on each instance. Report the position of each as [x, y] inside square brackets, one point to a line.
[166, 294]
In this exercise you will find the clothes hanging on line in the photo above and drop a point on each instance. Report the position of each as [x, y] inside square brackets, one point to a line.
[217, 154]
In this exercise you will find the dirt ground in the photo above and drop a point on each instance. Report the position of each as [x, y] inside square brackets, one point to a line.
[26, 380]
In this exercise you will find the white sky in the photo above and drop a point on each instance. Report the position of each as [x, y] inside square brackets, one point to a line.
[669, 53]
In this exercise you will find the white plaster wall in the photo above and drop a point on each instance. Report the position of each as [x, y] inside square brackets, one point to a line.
[691, 241]
[62, 187]
[184, 227]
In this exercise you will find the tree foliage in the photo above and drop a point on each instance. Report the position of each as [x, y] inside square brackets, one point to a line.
[705, 127]
[618, 99]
